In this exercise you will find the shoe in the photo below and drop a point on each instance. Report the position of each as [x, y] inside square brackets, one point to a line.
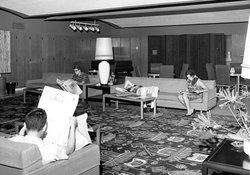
[188, 115]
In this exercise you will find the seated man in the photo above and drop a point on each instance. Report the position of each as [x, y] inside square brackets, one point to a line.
[34, 132]
[151, 91]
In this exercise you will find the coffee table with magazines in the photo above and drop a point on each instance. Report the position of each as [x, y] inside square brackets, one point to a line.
[129, 98]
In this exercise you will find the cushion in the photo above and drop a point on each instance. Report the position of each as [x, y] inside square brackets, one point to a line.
[19, 155]
[174, 97]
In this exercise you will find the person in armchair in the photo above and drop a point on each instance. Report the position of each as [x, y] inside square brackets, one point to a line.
[34, 131]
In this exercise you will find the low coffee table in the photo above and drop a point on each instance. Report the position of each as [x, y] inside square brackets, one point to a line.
[37, 91]
[116, 98]
[226, 158]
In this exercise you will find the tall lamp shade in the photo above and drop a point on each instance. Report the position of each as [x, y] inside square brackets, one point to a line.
[103, 53]
[245, 72]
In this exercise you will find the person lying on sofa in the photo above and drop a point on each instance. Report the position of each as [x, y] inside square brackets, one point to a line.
[34, 132]
[194, 90]
[142, 91]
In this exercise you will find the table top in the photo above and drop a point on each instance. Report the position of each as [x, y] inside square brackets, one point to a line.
[129, 98]
[228, 158]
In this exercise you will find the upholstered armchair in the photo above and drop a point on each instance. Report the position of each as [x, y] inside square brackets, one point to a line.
[25, 159]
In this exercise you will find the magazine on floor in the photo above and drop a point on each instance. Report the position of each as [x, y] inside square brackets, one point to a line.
[59, 106]
[69, 86]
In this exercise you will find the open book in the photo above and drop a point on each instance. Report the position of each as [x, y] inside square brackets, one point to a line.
[69, 86]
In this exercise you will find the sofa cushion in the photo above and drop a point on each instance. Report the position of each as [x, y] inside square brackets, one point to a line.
[19, 155]
[174, 97]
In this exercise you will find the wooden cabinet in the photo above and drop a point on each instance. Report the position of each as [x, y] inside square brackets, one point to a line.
[204, 48]
[193, 49]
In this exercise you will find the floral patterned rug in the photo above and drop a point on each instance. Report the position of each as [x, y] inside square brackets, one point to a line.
[163, 144]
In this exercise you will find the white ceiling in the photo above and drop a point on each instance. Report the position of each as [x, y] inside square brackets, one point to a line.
[133, 13]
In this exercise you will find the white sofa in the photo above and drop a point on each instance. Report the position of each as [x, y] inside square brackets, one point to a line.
[169, 89]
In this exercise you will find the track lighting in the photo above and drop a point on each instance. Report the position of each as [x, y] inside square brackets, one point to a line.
[91, 28]
[97, 29]
[79, 28]
[74, 25]
[86, 28]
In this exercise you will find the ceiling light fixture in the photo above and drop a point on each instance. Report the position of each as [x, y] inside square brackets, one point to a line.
[79, 28]
[74, 25]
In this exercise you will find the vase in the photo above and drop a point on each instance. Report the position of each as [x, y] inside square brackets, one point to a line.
[246, 147]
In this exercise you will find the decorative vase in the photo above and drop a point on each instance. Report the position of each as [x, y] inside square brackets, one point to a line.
[246, 147]
[104, 69]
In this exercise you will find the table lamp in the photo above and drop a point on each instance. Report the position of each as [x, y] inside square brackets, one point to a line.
[245, 72]
[103, 53]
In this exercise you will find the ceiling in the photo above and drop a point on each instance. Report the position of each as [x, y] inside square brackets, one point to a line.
[133, 13]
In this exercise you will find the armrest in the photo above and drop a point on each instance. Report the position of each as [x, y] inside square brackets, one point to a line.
[211, 93]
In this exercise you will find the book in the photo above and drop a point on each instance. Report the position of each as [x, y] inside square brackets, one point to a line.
[69, 86]
[59, 106]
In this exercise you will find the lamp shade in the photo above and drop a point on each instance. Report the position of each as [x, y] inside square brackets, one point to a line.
[245, 72]
[103, 49]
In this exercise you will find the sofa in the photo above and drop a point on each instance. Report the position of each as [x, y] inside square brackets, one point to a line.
[169, 89]
[25, 159]
[49, 79]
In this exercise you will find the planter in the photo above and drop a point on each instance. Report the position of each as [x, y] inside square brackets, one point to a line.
[246, 147]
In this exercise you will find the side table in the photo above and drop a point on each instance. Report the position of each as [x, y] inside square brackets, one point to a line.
[105, 90]
[227, 158]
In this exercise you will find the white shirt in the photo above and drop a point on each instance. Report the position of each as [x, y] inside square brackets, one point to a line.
[50, 152]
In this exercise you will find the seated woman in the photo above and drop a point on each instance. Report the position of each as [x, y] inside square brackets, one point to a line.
[194, 90]
[151, 91]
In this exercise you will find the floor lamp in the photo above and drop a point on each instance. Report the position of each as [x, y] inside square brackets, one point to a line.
[245, 72]
[103, 53]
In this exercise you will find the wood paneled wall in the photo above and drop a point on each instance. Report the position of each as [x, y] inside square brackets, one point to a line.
[33, 54]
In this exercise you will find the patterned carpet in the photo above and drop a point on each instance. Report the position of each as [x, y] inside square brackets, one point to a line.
[164, 144]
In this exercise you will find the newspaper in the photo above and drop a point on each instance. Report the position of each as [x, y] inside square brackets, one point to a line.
[59, 106]
[69, 86]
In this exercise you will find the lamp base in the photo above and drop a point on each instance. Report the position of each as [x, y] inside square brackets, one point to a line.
[104, 70]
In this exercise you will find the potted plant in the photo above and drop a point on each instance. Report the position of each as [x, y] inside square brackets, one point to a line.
[237, 105]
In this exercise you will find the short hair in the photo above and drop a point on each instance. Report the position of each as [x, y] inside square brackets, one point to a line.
[190, 72]
[36, 119]
[77, 67]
